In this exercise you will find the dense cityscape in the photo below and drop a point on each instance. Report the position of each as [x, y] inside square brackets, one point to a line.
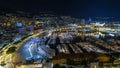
[59, 34]
[50, 41]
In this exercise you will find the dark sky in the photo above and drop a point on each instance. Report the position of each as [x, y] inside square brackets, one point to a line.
[79, 8]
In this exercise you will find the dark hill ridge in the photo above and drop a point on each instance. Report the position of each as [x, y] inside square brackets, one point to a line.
[4, 10]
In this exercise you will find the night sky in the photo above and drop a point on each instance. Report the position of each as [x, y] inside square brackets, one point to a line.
[79, 8]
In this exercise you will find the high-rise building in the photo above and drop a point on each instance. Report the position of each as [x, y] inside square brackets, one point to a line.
[83, 21]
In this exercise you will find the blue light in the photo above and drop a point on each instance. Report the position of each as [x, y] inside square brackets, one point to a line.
[90, 19]
[19, 24]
